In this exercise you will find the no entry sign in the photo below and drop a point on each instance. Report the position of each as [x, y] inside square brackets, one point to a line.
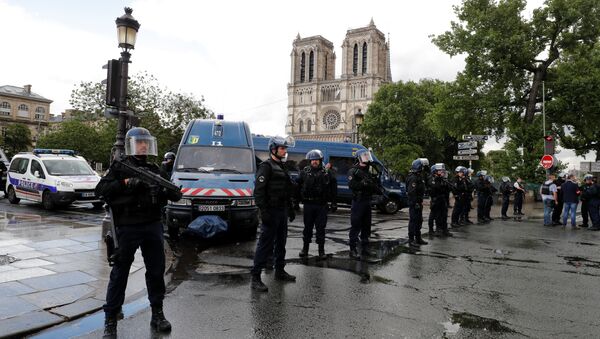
[547, 161]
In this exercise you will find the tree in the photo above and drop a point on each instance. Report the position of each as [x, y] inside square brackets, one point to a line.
[17, 138]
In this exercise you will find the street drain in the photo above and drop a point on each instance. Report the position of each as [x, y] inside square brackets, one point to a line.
[472, 321]
[6, 259]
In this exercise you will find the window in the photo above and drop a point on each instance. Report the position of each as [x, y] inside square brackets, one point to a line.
[331, 119]
[19, 165]
[3, 130]
[67, 167]
[294, 161]
[23, 111]
[325, 66]
[300, 126]
[308, 126]
[341, 165]
[302, 67]
[355, 60]
[364, 58]
[35, 166]
[204, 159]
[311, 65]
[5, 108]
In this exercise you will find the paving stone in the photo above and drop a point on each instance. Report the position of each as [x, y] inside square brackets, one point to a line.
[12, 288]
[5, 268]
[14, 306]
[94, 245]
[78, 248]
[88, 237]
[24, 273]
[15, 249]
[29, 255]
[31, 263]
[78, 308]
[12, 242]
[58, 280]
[59, 296]
[54, 243]
[55, 251]
[13, 327]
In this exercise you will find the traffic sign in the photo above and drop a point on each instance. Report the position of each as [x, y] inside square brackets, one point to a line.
[547, 161]
[595, 166]
[466, 151]
[465, 157]
[474, 137]
[466, 145]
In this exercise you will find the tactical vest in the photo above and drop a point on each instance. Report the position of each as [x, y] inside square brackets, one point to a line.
[546, 189]
[279, 187]
[315, 184]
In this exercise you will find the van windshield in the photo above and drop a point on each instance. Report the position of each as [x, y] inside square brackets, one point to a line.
[67, 167]
[215, 159]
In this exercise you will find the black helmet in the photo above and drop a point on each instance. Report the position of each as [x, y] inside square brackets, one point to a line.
[169, 156]
[315, 154]
[139, 141]
[278, 141]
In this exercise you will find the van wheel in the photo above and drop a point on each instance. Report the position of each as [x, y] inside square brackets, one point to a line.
[12, 196]
[389, 207]
[47, 201]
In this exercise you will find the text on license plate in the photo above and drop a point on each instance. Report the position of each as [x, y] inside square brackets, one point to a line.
[88, 194]
[211, 208]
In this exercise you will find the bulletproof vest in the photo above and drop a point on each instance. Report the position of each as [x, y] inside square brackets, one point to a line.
[546, 189]
[415, 186]
[315, 184]
[279, 186]
[358, 175]
[438, 186]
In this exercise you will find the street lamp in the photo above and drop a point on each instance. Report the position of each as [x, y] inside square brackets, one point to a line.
[359, 118]
[127, 28]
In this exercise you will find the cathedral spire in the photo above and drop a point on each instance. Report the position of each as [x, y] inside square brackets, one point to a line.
[372, 23]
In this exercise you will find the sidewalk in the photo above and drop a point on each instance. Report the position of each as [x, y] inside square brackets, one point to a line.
[52, 271]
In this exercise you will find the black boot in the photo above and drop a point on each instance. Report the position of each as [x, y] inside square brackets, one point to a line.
[110, 327]
[158, 321]
[257, 284]
[304, 252]
[420, 241]
[412, 243]
[322, 251]
[354, 253]
[282, 275]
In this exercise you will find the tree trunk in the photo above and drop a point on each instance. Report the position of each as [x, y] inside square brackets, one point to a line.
[538, 77]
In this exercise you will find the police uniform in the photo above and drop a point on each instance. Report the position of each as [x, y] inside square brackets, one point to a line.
[273, 192]
[469, 200]
[318, 186]
[519, 197]
[559, 201]
[415, 189]
[591, 194]
[483, 194]
[363, 187]
[438, 190]
[506, 190]
[461, 199]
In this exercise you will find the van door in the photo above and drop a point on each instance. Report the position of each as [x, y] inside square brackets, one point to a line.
[18, 177]
[37, 181]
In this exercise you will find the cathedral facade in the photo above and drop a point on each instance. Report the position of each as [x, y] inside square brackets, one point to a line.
[321, 106]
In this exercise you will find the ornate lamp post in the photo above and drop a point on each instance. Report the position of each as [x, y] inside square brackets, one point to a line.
[127, 28]
[359, 118]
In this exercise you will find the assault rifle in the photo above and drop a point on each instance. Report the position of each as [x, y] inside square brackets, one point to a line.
[153, 180]
[112, 244]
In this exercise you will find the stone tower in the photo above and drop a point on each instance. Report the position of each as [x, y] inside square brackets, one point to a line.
[321, 106]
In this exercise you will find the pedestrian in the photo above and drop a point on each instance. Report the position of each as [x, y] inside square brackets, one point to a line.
[438, 190]
[363, 187]
[273, 194]
[549, 197]
[136, 214]
[317, 187]
[483, 193]
[506, 189]
[519, 187]
[591, 193]
[167, 164]
[570, 192]
[461, 196]
[559, 201]
[415, 189]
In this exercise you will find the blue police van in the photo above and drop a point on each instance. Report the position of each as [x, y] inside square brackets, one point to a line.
[215, 167]
[341, 157]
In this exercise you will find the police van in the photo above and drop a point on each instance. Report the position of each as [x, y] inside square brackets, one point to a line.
[53, 177]
[341, 157]
[215, 167]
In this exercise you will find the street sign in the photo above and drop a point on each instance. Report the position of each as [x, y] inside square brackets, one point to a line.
[465, 157]
[474, 137]
[547, 161]
[595, 166]
[466, 145]
[585, 166]
[466, 151]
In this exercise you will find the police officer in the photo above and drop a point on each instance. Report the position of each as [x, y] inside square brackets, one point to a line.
[438, 191]
[471, 187]
[461, 196]
[317, 187]
[273, 193]
[560, 202]
[483, 193]
[591, 194]
[363, 186]
[519, 189]
[136, 215]
[506, 189]
[415, 189]
[168, 162]
[489, 202]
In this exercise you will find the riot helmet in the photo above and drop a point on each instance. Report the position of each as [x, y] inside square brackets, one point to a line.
[588, 177]
[364, 156]
[489, 178]
[169, 156]
[438, 167]
[277, 141]
[505, 179]
[314, 154]
[419, 164]
[481, 173]
[139, 142]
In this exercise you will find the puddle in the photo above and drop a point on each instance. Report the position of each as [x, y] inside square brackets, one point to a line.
[472, 321]
[6, 259]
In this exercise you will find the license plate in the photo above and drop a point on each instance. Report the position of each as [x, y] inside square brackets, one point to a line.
[88, 195]
[211, 208]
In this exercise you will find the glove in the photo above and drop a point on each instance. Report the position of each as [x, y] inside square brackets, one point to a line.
[134, 183]
[333, 207]
[265, 216]
[291, 215]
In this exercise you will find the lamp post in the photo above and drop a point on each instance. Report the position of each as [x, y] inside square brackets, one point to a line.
[127, 28]
[359, 117]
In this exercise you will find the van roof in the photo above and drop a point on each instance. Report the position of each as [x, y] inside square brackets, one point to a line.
[212, 132]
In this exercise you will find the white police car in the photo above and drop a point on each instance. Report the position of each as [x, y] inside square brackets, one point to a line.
[52, 177]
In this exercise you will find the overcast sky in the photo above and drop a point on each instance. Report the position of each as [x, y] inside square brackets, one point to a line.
[234, 53]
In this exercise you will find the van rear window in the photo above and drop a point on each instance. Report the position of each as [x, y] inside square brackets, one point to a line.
[341, 164]
[215, 159]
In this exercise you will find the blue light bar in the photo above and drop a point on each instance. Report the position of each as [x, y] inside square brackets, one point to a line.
[53, 151]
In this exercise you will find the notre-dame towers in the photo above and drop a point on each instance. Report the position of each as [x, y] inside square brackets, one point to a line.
[321, 107]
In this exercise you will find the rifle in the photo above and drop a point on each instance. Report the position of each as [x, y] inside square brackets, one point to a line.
[112, 244]
[153, 180]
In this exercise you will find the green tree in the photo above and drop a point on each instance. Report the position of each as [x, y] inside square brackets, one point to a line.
[17, 138]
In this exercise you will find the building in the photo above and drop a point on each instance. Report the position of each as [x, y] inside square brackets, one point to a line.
[321, 106]
[21, 105]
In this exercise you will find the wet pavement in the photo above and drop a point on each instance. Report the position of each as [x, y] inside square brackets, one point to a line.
[53, 266]
[505, 279]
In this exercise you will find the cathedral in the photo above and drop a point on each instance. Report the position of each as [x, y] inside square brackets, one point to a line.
[321, 106]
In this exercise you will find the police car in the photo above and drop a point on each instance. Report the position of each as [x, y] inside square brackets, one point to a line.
[52, 177]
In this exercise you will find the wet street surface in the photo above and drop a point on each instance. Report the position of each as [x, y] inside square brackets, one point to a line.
[505, 279]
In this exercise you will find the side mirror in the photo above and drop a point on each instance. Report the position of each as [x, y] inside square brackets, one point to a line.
[36, 174]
